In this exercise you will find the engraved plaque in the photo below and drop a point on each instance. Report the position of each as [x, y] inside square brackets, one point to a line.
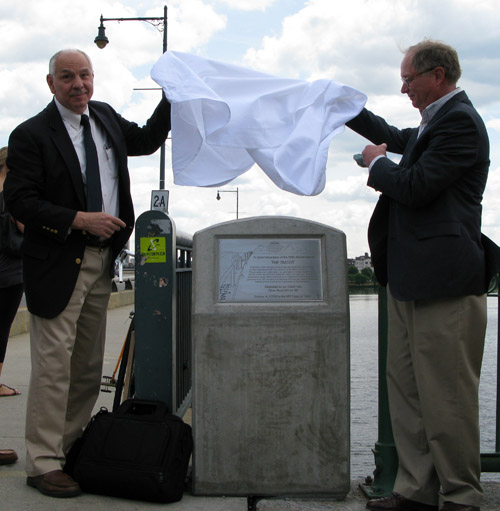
[269, 270]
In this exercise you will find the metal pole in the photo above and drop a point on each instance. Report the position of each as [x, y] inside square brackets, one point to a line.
[162, 149]
[155, 307]
[162, 166]
[386, 457]
[101, 40]
[164, 29]
[237, 192]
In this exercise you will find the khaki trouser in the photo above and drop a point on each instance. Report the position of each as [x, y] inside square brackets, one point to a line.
[66, 366]
[435, 351]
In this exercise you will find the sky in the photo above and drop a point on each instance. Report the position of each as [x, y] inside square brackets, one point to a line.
[358, 43]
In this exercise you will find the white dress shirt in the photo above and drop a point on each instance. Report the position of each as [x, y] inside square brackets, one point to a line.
[108, 168]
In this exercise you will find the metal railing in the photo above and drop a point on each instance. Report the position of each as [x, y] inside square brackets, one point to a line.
[184, 273]
[120, 262]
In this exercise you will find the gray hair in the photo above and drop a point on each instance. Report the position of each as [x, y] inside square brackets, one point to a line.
[52, 62]
[429, 54]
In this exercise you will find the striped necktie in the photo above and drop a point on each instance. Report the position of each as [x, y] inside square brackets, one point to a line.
[94, 193]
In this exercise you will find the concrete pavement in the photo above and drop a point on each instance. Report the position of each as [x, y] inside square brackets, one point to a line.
[16, 496]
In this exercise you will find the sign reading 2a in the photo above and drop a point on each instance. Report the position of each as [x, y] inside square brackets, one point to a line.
[153, 250]
[159, 200]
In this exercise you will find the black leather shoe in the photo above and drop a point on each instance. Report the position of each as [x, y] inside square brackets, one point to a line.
[396, 502]
[55, 484]
[452, 506]
[7, 456]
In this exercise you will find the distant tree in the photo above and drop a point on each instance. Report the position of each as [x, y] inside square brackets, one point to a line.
[352, 271]
[360, 278]
[368, 272]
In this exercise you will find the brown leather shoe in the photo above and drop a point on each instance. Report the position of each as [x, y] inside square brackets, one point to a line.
[55, 484]
[396, 502]
[452, 506]
[7, 456]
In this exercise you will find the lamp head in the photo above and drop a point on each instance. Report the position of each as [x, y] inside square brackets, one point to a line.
[218, 196]
[101, 40]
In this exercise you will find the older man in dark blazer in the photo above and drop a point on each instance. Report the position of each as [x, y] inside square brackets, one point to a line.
[427, 247]
[69, 250]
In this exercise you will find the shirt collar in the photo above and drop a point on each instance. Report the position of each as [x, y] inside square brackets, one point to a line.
[430, 111]
[70, 117]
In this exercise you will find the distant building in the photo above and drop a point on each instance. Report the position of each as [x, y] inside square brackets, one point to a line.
[360, 262]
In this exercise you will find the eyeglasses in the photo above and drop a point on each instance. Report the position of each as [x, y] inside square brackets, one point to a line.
[408, 81]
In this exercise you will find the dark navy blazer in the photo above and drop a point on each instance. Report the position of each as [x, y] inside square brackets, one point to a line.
[425, 232]
[44, 190]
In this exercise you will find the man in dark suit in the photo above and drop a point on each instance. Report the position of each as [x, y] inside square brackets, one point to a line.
[427, 247]
[69, 251]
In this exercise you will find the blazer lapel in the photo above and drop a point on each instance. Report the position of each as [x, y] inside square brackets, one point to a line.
[459, 97]
[112, 127]
[411, 152]
[407, 155]
[61, 139]
[109, 124]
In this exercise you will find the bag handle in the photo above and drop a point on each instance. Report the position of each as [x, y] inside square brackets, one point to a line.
[143, 407]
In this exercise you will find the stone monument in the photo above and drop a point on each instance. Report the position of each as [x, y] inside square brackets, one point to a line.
[271, 393]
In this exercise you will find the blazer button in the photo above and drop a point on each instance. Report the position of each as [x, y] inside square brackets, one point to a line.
[78, 260]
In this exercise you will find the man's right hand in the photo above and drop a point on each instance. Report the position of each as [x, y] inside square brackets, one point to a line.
[97, 223]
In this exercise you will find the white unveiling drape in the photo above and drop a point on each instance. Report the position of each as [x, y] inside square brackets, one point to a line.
[226, 118]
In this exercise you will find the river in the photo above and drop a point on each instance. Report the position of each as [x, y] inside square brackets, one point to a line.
[364, 384]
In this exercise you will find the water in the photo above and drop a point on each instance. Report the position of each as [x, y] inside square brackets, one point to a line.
[364, 384]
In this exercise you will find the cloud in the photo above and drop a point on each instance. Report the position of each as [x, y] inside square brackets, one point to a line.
[356, 42]
[493, 124]
[248, 5]
[192, 23]
[350, 188]
[359, 42]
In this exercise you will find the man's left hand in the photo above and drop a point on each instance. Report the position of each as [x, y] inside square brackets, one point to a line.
[370, 152]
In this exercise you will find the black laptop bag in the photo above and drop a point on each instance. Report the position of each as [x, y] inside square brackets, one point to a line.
[140, 451]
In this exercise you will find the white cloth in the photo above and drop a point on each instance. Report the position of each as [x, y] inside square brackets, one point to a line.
[225, 118]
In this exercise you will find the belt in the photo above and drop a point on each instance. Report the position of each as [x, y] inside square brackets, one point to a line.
[95, 241]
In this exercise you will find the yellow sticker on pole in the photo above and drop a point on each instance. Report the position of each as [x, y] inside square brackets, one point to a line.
[154, 250]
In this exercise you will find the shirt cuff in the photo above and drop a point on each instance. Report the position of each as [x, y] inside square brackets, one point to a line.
[375, 160]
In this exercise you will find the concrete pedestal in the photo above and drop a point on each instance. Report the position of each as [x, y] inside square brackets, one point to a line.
[270, 359]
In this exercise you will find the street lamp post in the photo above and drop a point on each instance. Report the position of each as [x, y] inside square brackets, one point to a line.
[230, 191]
[161, 24]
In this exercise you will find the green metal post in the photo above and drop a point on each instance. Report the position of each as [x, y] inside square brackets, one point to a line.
[386, 458]
[155, 315]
